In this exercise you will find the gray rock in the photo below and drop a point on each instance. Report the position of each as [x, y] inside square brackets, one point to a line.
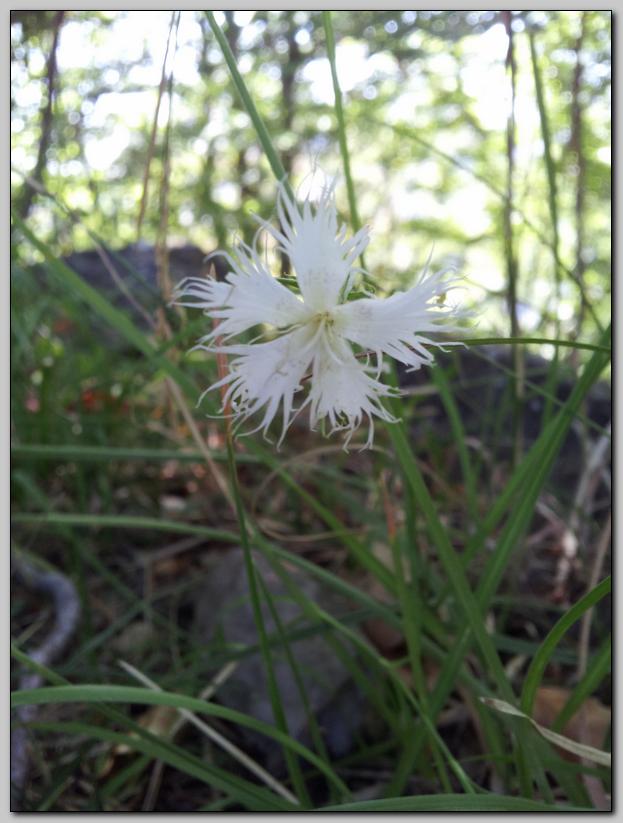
[483, 387]
[136, 265]
[224, 620]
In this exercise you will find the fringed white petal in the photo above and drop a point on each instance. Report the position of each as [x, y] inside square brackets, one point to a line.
[322, 256]
[399, 325]
[343, 392]
[250, 296]
[266, 376]
[200, 293]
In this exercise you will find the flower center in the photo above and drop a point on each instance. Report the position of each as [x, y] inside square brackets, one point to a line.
[321, 328]
[323, 318]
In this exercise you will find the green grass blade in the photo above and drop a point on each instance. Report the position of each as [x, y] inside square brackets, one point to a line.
[249, 105]
[117, 319]
[94, 693]
[533, 472]
[552, 188]
[535, 341]
[155, 747]
[117, 521]
[524, 486]
[543, 656]
[458, 433]
[579, 749]
[409, 598]
[341, 125]
[550, 443]
[452, 803]
[49, 451]
[552, 196]
[372, 656]
[276, 702]
[449, 559]
[284, 643]
[598, 667]
[254, 798]
[357, 548]
[405, 131]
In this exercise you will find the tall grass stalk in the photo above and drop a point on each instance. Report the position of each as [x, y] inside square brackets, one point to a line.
[552, 199]
[247, 101]
[341, 125]
[254, 593]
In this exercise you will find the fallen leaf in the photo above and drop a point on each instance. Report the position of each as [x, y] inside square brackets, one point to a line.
[589, 724]
[159, 720]
[580, 749]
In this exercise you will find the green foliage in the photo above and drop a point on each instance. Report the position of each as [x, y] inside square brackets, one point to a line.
[424, 533]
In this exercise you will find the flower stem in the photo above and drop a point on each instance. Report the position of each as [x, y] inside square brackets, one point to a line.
[273, 688]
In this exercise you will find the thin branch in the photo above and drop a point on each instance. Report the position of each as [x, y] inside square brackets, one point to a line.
[511, 260]
[154, 129]
[28, 192]
[576, 146]
[218, 739]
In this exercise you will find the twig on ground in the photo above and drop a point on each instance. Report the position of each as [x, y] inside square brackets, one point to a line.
[585, 626]
[589, 480]
[218, 739]
[66, 616]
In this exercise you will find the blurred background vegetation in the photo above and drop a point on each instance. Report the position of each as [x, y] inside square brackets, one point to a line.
[445, 128]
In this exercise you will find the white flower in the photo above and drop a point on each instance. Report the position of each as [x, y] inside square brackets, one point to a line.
[313, 332]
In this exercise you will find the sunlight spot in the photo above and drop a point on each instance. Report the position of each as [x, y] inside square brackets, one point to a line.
[352, 68]
[243, 18]
[102, 152]
[604, 155]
